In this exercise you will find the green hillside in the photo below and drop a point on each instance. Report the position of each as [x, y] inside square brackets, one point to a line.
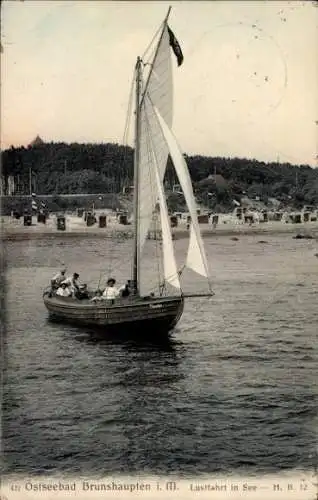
[57, 168]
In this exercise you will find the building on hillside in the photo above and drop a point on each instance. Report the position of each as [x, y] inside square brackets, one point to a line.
[216, 179]
[36, 142]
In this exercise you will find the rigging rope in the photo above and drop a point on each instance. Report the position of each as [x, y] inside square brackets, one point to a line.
[129, 110]
[152, 41]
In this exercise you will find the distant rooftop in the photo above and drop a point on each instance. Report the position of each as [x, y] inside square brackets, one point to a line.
[218, 179]
[37, 141]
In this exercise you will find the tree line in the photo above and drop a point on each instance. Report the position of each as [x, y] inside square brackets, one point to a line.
[52, 168]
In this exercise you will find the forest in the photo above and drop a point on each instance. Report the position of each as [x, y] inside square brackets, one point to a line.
[60, 168]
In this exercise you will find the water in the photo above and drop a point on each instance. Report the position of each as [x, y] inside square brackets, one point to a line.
[232, 391]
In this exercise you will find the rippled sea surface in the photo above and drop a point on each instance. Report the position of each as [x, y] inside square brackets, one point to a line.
[233, 390]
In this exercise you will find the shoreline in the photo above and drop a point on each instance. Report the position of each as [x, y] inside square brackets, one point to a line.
[18, 232]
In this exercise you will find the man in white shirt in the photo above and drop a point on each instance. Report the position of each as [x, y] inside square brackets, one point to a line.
[58, 278]
[110, 292]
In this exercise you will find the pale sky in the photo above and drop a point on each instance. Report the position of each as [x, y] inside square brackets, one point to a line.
[248, 86]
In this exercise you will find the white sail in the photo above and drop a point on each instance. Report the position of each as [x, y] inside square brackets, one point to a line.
[159, 88]
[169, 262]
[196, 258]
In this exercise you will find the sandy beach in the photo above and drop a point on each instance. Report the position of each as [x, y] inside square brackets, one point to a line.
[13, 229]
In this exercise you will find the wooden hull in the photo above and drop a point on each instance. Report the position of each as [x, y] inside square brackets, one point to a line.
[135, 314]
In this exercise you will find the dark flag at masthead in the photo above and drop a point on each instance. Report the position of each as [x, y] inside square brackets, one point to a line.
[175, 47]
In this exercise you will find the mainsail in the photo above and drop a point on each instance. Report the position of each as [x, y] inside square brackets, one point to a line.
[159, 88]
[155, 142]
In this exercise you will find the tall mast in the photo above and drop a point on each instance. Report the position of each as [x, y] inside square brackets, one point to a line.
[136, 263]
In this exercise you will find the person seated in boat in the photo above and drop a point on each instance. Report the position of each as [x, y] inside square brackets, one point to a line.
[126, 289]
[82, 293]
[111, 292]
[72, 282]
[98, 296]
[58, 279]
[63, 290]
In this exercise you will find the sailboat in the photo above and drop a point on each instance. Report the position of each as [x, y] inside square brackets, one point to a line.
[154, 141]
